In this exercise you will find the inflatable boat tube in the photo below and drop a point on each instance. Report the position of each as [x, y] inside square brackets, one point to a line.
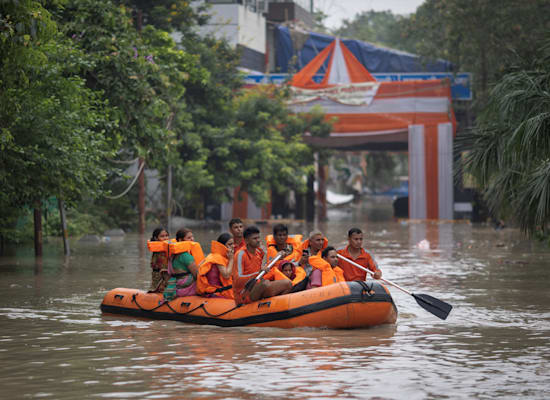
[341, 305]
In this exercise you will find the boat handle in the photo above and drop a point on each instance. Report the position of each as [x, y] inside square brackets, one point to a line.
[185, 304]
[119, 296]
[267, 303]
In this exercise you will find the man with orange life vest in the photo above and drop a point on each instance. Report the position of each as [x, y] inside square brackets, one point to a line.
[214, 276]
[281, 240]
[355, 252]
[315, 243]
[236, 228]
[247, 265]
[325, 269]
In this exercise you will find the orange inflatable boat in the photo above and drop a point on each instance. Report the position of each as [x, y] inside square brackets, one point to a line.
[340, 305]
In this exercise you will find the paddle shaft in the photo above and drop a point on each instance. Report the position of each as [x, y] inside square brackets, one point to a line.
[372, 273]
[269, 266]
[252, 282]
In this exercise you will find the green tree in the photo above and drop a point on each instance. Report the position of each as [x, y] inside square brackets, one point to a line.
[143, 75]
[508, 151]
[482, 37]
[379, 27]
[52, 139]
[268, 152]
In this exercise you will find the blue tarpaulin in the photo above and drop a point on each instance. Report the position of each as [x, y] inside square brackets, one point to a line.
[375, 59]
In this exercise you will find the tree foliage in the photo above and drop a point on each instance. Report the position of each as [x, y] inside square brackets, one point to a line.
[508, 152]
[379, 27]
[90, 81]
[52, 126]
[482, 37]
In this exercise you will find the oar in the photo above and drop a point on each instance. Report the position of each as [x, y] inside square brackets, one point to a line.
[437, 307]
[250, 284]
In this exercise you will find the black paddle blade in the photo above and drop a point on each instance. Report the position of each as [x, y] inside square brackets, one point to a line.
[437, 307]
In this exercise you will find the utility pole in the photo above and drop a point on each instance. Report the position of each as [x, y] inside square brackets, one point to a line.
[311, 6]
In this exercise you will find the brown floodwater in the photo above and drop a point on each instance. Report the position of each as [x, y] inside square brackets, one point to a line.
[55, 343]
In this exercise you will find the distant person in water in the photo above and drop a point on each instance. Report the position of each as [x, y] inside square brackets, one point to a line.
[236, 228]
[355, 251]
[159, 261]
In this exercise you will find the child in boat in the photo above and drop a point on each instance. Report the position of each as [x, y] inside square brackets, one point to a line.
[159, 261]
[214, 276]
[287, 268]
[183, 274]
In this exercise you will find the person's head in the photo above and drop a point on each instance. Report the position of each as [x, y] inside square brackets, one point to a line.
[316, 241]
[252, 237]
[236, 228]
[355, 238]
[330, 255]
[226, 239]
[305, 257]
[185, 234]
[280, 234]
[287, 269]
[160, 234]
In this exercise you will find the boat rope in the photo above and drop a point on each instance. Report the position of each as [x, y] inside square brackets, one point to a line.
[367, 291]
[167, 303]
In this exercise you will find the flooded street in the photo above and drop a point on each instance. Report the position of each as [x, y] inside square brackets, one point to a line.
[55, 343]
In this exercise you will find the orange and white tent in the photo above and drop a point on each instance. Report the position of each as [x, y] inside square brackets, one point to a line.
[417, 114]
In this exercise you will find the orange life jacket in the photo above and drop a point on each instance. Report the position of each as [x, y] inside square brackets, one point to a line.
[217, 256]
[187, 246]
[305, 245]
[329, 275]
[294, 240]
[158, 246]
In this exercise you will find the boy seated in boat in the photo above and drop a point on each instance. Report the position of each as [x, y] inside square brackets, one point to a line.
[325, 269]
[248, 264]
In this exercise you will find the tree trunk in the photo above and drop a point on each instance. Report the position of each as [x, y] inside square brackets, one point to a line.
[141, 197]
[38, 229]
[66, 248]
[169, 198]
[322, 188]
[310, 199]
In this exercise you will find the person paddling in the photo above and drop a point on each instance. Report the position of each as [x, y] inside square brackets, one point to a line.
[355, 252]
[248, 264]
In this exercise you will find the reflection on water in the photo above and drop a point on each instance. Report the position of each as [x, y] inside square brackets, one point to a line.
[55, 343]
